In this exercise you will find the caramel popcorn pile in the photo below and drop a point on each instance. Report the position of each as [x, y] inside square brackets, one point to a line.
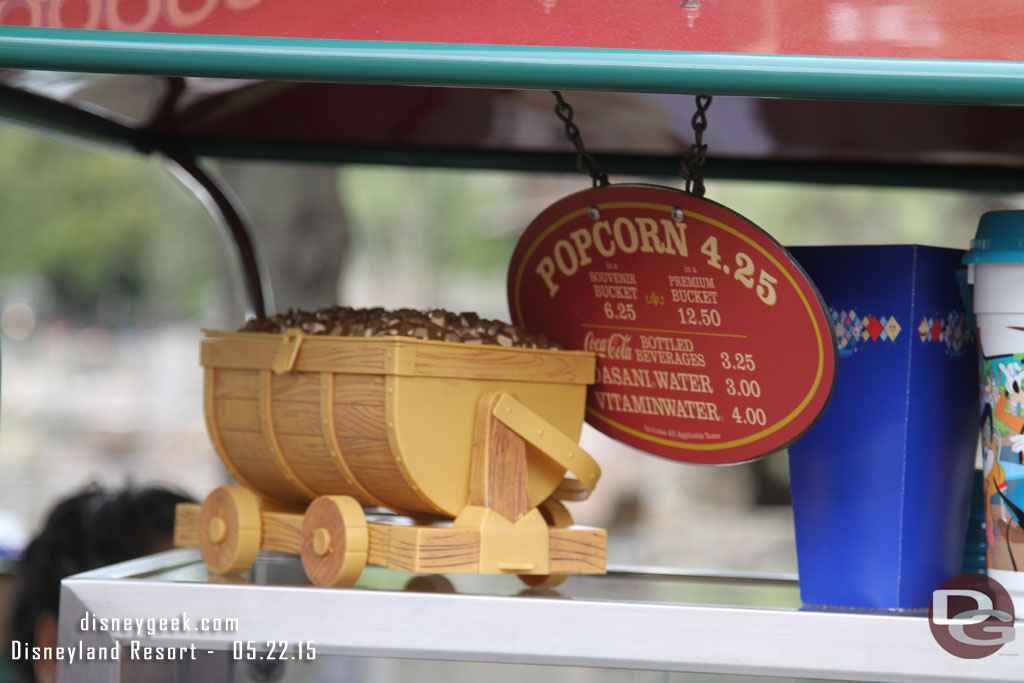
[435, 324]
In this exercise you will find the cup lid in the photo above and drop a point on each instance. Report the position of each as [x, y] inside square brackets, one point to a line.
[1000, 238]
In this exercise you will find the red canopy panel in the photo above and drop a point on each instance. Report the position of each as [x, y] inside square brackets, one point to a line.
[925, 29]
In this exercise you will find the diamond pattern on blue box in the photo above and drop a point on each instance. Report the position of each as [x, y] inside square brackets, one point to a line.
[954, 331]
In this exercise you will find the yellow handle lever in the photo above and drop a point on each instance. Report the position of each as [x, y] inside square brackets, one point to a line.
[550, 441]
[289, 350]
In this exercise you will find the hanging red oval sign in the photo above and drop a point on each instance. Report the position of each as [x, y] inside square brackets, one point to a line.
[713, 346]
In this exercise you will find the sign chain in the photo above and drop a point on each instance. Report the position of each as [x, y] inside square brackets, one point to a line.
[693, 159]
[584, 160]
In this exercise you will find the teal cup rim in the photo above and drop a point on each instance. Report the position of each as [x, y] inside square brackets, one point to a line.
[999, 238]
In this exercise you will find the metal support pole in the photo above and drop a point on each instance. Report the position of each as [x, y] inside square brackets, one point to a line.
[222, 203]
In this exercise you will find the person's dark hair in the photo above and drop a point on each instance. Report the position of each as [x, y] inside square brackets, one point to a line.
[90, 529]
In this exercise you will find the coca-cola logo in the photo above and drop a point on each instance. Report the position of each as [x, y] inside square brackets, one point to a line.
[115, 15]
[613, 347]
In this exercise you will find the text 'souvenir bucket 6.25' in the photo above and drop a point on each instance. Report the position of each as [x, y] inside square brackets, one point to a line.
[713, 346]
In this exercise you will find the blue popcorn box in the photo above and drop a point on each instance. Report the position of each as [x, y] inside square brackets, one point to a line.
[881, 483]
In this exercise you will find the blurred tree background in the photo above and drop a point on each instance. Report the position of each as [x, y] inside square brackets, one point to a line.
[101, 237]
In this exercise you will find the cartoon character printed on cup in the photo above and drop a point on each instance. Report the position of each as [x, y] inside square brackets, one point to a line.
[1010, 405]
[994, 476]
[1002, 429]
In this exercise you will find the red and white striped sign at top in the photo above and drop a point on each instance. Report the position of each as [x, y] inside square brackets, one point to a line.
[713, 346]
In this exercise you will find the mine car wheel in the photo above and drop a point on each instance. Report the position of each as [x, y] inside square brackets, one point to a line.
[229, 529]
[335, 541]
[543, 580]
[429, 583]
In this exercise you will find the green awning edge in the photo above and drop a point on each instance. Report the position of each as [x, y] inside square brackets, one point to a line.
[921, 80]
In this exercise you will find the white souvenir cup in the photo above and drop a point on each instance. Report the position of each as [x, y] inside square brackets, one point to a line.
[995, 268]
